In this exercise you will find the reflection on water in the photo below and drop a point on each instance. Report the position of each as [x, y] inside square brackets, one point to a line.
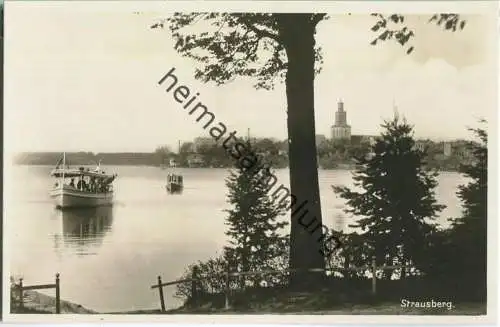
[84, 229]
[105, 255]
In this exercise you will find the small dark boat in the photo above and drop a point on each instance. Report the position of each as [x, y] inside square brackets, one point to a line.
[175, 183]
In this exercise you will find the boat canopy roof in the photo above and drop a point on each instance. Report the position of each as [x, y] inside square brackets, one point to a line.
[76, 172]
[174, 178]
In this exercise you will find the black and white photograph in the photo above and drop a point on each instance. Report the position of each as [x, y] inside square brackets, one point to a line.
[273, 161]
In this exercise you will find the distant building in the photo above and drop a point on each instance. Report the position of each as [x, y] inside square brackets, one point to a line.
[195, 160]
[447, 149]
[341, 130]
[203, 142]
[356, 139]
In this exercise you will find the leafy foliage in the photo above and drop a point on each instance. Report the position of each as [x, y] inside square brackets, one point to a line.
[249, 44]
[234, 44]
[355, 252]
[391, 27]
[212, 271]
[186, 148]
[341, 151]
[397, 203]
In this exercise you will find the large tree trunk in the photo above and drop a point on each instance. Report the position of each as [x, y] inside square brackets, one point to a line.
[297, 34]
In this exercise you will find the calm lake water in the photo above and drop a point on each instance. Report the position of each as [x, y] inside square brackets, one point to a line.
[108, 258]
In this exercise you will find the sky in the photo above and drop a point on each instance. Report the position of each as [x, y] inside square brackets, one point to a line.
[86, 80]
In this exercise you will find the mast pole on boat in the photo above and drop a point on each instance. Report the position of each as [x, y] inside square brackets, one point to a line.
[64, 167]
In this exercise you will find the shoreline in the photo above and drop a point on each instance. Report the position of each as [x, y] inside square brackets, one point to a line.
[39, 303]
[46, 305]
[341, 167]
[313, 303]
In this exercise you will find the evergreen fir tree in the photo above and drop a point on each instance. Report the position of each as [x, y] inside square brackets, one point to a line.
[474, 194]
[397, 203]
[255, 227]
[469, 234]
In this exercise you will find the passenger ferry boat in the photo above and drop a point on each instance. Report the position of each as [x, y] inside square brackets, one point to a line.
[81, 187]
[175, 183]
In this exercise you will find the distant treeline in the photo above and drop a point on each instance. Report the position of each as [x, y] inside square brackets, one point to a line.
[331, 155]
[89, 158]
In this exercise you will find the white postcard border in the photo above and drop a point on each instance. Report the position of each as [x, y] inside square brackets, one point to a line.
[477, 7]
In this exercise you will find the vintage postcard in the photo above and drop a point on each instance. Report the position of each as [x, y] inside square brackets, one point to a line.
[250, 161]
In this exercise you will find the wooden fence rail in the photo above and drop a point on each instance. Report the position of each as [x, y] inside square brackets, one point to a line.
[198, 278]
[21, 288]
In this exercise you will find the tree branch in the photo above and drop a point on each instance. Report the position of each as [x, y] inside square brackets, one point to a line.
[402, 34]
[259, 32]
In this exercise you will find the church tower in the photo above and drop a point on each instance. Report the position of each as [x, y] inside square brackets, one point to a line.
[341, 130]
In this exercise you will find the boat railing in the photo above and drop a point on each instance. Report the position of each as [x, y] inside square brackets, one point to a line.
[177, 179]
[87, 187]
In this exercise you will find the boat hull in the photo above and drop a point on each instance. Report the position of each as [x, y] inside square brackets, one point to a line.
[174, 188]
[73, 198]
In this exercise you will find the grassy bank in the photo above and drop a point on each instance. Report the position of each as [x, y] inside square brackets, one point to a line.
[292, 304]
[340, 298]
[389, 308]
[332, 302]
[337, 297]
[38, 303]
[319, 304]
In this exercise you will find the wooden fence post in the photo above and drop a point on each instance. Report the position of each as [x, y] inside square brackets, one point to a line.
[374, 276]
[227, 287]
[160, 290]
[58, 295]
[21, 294]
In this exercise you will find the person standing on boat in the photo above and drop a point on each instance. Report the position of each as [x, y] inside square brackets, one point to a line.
[93, 185]
[82, 186]
[100, 185]
[72, 182]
